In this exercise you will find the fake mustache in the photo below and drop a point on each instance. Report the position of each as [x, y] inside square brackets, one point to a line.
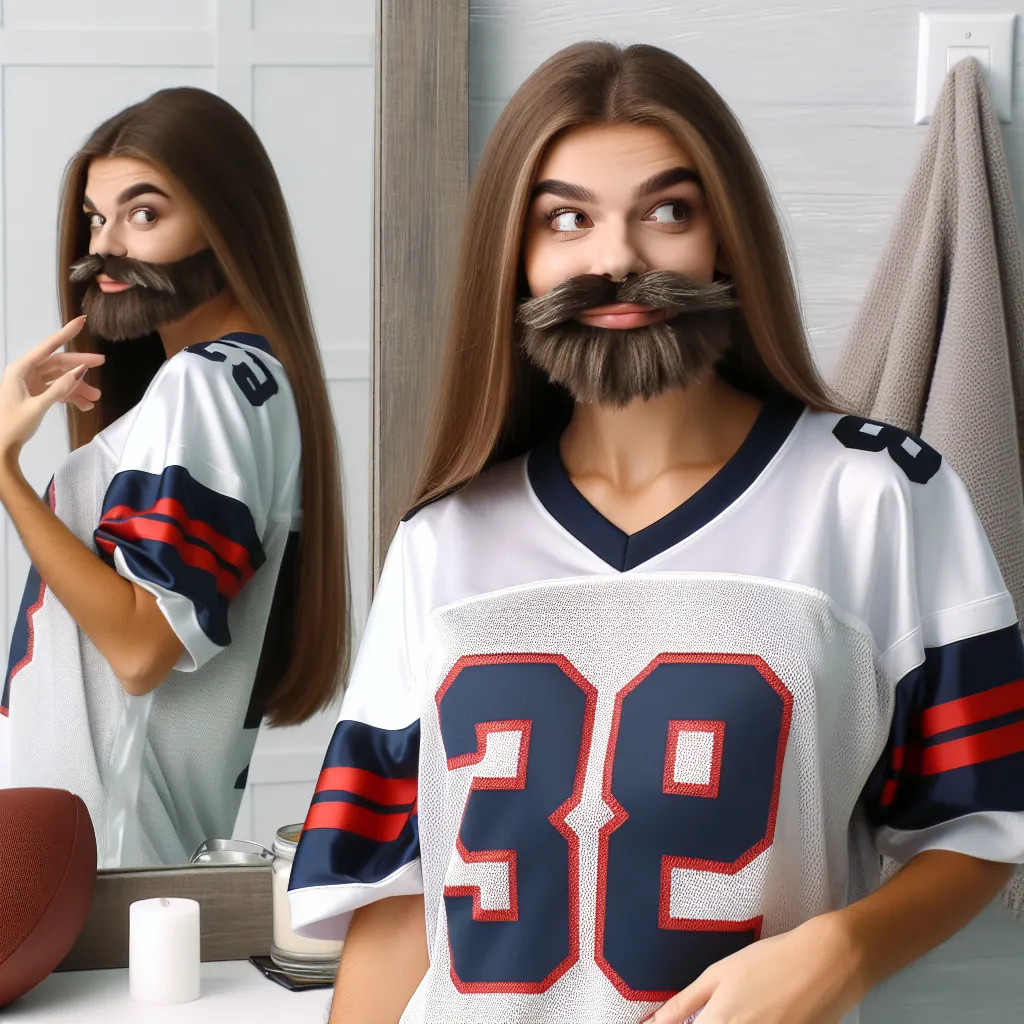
[660, 289]
[155, 276]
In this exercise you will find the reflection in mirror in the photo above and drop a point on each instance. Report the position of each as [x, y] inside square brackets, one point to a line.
[187, 577]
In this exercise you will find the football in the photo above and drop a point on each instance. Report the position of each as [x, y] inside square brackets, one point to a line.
[47, 876]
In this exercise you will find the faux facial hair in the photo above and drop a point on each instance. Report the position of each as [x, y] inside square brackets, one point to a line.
[612, 367]
[161, 292]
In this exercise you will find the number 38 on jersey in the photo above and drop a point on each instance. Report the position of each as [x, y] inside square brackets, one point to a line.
[685, 786]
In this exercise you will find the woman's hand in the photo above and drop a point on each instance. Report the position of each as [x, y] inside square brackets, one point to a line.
[40, 379]
[810, 975]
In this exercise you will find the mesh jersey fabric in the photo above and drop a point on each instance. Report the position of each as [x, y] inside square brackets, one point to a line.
[194, 495]
[608, 761]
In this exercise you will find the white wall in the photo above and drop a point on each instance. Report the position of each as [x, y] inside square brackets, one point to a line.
[826, 93]
[302, 72]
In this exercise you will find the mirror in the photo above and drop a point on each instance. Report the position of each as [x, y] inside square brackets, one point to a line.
[304, 78]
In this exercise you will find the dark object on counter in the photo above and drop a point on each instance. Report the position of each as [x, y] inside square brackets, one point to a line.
[47, 878]
[270, 970]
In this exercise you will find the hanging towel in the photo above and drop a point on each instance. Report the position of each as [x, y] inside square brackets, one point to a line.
[937, 347]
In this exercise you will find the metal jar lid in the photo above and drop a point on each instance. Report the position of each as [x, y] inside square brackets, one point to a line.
[231, 851]
[287, 840]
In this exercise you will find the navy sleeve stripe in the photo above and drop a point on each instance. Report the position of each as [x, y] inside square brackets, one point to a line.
[327, 796]
[360, 827]
[979, 707]
[368, 784]
[23, 638]
[223, 523]
[349, 817]
[956, 745]
[163, 565]
[184, 537]
[129, 532]
[969, 750]
[240, 568]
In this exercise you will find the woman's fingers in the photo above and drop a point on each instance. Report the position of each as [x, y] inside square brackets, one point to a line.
[86, 392]
[62, 389]
[60, 362]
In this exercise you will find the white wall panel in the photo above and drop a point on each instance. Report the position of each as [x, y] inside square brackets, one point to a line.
[317, 125]
[110, 15]
[351, 15]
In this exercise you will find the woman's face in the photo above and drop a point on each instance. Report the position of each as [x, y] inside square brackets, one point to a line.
[134, 211]
[617, 200]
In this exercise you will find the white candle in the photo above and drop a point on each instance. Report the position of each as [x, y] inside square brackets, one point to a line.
[163, 951]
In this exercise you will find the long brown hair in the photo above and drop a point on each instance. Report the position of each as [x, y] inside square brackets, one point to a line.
[492, 404]
[212, 154]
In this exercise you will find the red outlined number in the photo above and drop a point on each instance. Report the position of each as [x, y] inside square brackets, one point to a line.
[691, 775]
[516, 819]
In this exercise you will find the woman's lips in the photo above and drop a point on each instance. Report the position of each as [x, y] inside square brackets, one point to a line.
[622, 315]
[109, 285]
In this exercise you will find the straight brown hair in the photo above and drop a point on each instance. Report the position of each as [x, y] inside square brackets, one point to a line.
[212, 154]
[492, 404]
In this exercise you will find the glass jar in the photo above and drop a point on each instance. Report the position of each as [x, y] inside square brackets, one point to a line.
[294, 953]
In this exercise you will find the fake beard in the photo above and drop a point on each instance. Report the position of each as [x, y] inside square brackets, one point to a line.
[160, 294]
[612, 367]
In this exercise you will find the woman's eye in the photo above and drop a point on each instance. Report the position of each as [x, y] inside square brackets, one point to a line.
[95, 221]
[142, 216]
[568, 220]
[675, 212]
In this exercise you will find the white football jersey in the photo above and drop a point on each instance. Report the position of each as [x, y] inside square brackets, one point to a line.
[608, 761]
[195, 495]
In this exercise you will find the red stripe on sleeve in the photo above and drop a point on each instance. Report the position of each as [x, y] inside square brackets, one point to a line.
[889, 792]
[369, 785]
[230, 551]
[984, 746]
[191, 554]
[977, 708]
[383, 828]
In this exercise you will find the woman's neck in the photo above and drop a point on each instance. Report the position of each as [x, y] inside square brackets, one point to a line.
[629, 447]
[213, 319]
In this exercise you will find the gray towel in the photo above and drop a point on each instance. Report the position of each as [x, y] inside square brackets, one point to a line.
[937, 347]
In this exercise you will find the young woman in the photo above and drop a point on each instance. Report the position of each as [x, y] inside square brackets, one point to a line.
[186, 552]
[671, 649]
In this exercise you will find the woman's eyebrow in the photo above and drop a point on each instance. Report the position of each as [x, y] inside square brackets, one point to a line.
[664, 179]
[563, 189]
[140, 189]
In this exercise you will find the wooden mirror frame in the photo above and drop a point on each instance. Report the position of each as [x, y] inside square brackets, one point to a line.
[421, 176]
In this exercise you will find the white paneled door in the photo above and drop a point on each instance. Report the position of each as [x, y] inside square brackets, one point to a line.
[301, 71]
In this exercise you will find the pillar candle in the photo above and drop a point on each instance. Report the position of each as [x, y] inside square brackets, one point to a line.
[163, 951]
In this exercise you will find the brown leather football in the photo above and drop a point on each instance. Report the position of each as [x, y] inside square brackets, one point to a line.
[47, 876]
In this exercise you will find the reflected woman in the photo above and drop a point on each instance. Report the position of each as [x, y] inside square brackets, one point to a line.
[184, 554]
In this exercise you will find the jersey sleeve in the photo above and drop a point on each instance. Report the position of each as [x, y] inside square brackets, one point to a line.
[950, 775]
[360, 841]
[187, 509]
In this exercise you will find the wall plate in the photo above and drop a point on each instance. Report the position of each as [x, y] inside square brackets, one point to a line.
[945, 38]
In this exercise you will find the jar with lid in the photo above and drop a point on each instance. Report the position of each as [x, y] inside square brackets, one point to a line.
[294, 953]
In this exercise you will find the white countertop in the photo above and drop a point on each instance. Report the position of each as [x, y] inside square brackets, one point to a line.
[976, 976]
[230, 991]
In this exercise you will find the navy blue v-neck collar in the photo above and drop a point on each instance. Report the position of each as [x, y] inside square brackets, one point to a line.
[622, 551]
